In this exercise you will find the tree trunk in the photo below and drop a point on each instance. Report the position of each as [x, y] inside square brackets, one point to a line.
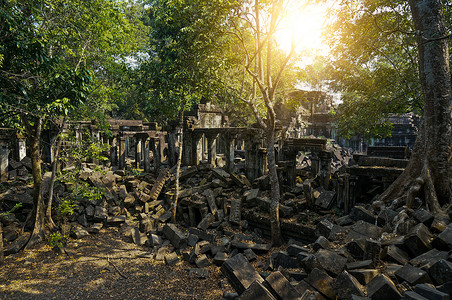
[34, 135]
[179, 161]
[430, 170]
[48, 215]
[274, 184]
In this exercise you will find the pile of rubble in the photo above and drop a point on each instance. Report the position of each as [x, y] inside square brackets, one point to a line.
[381, 253]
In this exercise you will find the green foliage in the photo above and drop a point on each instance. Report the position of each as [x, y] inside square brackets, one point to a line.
[56, 239]
[373, 64]
[66, 207]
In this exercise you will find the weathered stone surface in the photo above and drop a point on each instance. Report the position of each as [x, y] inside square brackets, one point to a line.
[294, 249]
[235, 214]
[158, 185]
[240, 273]
[364, 276]
[394, 254]
[430, 292]
[326, 199]
[171, 259]
[427, 259]
[357, 248]
[116, 220]
[423, 216]
[95, 228]
[283, 259]
[206, 221]
[322, 282]
[321, 243]
[203, 235]
[367, 229]
[332, 263]
[412, 275]
[382, 288]
[256, 291]
[282, 286]
[441, 271]
[444, 240]
[386, 216]
[147, 225]
[220, 258]
[324, 228]
[100, 214]
[202, 261]
[176, 237]
[358, 213]
[155, 240]
[410, 295]
[250, 255]
[346, 285]
[418, 240]
[20, 242]
[446, 288]
[199, 273]
[138, 237]
[79, 232]
[363, 264]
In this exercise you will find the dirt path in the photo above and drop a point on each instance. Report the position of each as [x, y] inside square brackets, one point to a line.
[89, 273]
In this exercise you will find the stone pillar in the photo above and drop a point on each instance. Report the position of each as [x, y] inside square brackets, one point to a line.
[21, 148]
[4, 152]
[315, 164]
[290, 157]
[155, 148]
[187, 148]
[229, 146]
[261, 162]
[325, 168]
[172, 153]
[122, 152]
[198, 143]
[212, 148]
[114, 150]
[137, 162]
[251, 159]
[145, 151]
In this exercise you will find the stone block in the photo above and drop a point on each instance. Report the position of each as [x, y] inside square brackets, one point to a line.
[357, 248]
[427, 259]
[138, 237]
[155, 240]
[330, 261]
[322, 282]
[240, 273]
[171, 259]
[294, 249]
[444, 240]
[235, 214]
[79, 232]
[199, 273]
[147, 225]
[192, 240]
[326, 199]
[386, 216]
[430, 292]
[394, 254]
[358, 213]
[282, 286]
[283, 259]
[250, 255]
[206, 221]
[441, 271]
[116, 220]
[423, 216]
[202, 261]
[363, 264]
[95, 228]
[364, 276]
[203, 235]
[256, 291]
[418, 240]
[100, 214]
[412, 275]
[321, 243]
[382, 288]
[410, 295]
[446, 288]
[346, 285]
[367, 229]
[220, 258]
[175, 236]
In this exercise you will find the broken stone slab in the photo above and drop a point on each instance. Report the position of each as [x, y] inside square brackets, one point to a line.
[199, 273]
[202, 261]
[240, 273]
[147, 225]
[138, 237]
[386, 216]
[322, 282]
[95, 228]
[424, 216]
[235, 214]
[256, 291]
[326, 199]
[294, 249]
[250, 255]
[221, 174]
[324, 228]
[430, 292]
[410, 295]
[364, 276]
[321, 243]
[394, 254]
[282, 258]
[171, 259]
[211, 201]
[346, 285]
[441, 271]
[116, 220]
[252, 194]
[253, 246]
[159, 182]
[155, 240]
[427, 259]
[220, 258]
[175, 236]
[358, 213]
[79, 232]
[357, 248]
[418, 240]
[367, 229]
[412, 275]
[362, 264]
[100, 214]
[444, 240]
[382, 288]
[208, 220]
[330, 261]
[203, 235]
[282, 286]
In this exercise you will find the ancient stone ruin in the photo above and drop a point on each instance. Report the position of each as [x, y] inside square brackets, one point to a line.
[339, 245]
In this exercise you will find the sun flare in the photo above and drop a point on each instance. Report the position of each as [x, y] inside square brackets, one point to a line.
[303, 27]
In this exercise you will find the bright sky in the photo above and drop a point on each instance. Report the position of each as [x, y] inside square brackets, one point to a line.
[304, 25]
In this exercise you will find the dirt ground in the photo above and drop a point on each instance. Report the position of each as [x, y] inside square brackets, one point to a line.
[103, 266]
